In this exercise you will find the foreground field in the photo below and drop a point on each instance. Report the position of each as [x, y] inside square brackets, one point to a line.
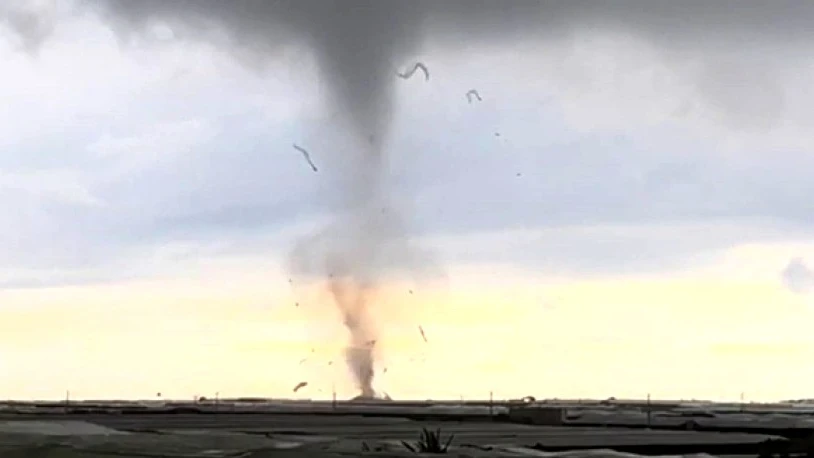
[326, 436]
[325, 429]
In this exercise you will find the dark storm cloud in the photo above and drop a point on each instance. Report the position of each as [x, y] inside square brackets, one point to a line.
[677, 23]
[732, 45]
[32, 22]
[729, 49]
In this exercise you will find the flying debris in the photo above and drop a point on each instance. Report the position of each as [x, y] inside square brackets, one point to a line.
[473, 93]
[307, 158]
[303, 360]
[371, 343]
[418, 65]
[300, 386]
[423, 336]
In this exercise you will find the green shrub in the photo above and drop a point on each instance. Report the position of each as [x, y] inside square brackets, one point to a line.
[429, 442]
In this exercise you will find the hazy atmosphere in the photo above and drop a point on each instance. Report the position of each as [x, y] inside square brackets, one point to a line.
[563, 199]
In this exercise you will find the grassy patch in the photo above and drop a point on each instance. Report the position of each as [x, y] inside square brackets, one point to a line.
[429, 442]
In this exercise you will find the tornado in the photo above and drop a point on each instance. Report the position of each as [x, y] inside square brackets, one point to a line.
[358, 45]
[357, 49]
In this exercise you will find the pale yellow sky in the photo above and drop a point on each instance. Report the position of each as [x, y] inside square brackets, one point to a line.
[711, 333]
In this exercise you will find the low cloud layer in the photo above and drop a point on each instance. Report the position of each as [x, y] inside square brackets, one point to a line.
[797, 276]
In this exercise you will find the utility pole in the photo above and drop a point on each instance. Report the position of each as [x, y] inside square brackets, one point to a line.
[491, 404]
[333, 394]
[649, 410]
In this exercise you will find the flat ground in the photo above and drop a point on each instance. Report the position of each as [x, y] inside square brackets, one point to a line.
[360, 428]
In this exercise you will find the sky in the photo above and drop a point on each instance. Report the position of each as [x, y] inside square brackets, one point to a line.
[624, 212]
